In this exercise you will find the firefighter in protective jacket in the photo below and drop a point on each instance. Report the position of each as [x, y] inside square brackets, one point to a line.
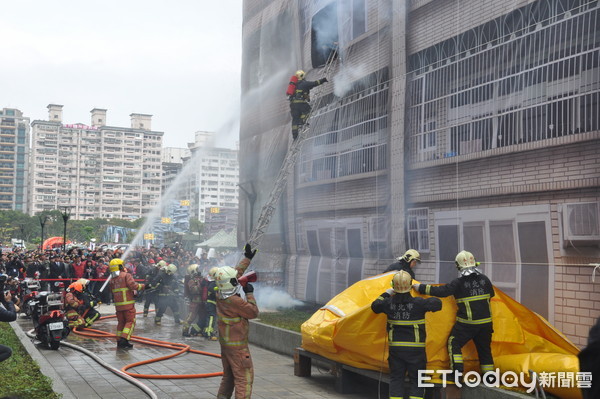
[235, 305]
[167, 287]
[209, 287]
[406, 333]
[193, 292]
[473, 292]
[123, 286]
[299, 101]
[80, 305]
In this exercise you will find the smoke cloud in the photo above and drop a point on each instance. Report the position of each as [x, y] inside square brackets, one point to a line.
[343, 80]
[269, 298]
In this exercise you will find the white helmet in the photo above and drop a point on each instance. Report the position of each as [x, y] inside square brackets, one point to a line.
[466, 264]
[227, 282]
[402, 282]
[300, 74]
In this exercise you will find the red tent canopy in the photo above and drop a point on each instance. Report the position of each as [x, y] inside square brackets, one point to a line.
[53, 242]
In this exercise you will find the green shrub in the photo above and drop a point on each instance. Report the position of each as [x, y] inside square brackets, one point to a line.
[290, 319]
[20, 375]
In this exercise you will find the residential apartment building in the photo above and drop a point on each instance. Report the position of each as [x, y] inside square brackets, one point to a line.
[96, 170]
[14, 159]
[447, 125]
[213, 176]
[172, 164]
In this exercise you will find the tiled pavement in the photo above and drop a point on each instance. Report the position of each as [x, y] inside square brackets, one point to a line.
[76, 375]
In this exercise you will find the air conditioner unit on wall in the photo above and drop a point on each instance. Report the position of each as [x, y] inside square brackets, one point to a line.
[581, 224]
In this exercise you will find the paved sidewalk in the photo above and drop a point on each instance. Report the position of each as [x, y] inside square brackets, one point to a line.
[77, 374]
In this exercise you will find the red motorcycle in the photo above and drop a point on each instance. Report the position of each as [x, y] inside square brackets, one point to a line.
[51, 325]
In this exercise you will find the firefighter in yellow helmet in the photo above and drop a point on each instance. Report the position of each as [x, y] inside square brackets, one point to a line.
[406, 333]
[406, 262]
[235, 305]
[79, 304]
[473, 292]
[299, 101]
[123, 288]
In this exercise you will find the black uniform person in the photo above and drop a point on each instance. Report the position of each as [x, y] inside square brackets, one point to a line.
[7, 313]
[473, 292]
[299, 106]
[406, 334]
[406, 262]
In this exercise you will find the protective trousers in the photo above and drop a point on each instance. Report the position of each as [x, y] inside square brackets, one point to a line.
[125, 323]
[299, 111]
[238, 373]
[481, 334]
[194, 318]
[164, 301]
[403, 362]
[210, 320]
[150, 298]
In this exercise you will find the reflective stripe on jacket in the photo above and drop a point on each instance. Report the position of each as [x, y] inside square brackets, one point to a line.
[122, 288]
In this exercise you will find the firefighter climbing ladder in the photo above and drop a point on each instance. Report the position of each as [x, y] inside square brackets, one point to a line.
[268, 209]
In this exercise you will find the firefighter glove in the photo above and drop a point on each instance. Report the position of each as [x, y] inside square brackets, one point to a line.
[248, 252]
[416, 287]
[248, 288]
[324, 80]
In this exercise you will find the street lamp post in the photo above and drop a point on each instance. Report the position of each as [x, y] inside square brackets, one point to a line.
[66, 214]
[43, 221]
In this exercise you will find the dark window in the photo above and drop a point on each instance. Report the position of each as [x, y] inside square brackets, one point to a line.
[324, 35]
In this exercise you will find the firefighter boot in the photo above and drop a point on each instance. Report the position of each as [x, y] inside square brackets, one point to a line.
[157, 321]
[123, 343]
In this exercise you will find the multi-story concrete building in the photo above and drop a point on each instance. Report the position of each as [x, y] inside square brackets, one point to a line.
[213, 175]
[172, 164]
[96, 171]
[14, 159]
[449, 124]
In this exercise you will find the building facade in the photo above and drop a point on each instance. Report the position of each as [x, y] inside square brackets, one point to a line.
[14, 159]
[213, 176]
[448, 125]
[96, 170]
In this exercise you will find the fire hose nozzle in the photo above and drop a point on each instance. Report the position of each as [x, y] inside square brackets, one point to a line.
[249, 277]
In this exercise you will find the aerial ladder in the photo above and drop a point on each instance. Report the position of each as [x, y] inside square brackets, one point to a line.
[268, 209]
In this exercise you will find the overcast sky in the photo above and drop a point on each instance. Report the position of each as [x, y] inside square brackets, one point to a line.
[179, 61]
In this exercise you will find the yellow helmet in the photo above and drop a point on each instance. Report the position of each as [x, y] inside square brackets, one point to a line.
[115, 265]
[192, 269]
[171, 269]
[465, 262]
[411, 255]
[161, 264]
[300, 74]
[227, 282]
[402, 282]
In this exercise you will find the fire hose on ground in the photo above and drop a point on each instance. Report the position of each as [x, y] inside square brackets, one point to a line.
[132, 377]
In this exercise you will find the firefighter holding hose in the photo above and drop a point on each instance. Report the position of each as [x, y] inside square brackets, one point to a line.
[123, 287]
[235, 305]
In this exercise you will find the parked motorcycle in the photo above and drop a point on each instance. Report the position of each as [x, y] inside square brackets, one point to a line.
[30, 288]
[49, 321]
